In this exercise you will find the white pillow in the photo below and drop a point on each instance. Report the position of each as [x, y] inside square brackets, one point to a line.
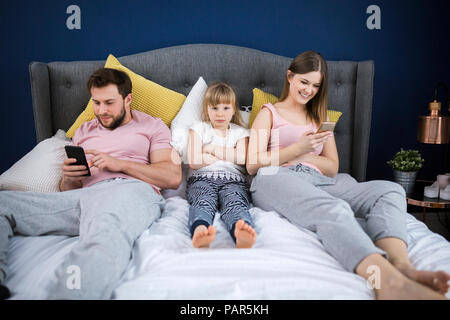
[40, 170]
[189, 113]
[245, 115]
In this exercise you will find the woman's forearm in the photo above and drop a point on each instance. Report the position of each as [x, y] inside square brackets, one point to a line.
[272, 158]
[327, 166]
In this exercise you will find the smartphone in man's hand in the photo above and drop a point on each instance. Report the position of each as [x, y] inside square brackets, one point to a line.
[78, 153]
[327, 126]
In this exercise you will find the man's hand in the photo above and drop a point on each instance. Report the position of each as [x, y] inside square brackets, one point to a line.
[72, 175]
[104, 161]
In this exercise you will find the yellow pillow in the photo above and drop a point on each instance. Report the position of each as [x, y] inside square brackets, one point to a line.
[260, 97]
[148, 97]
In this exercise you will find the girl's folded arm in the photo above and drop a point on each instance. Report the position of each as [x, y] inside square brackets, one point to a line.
[196, 158]
[236, 155]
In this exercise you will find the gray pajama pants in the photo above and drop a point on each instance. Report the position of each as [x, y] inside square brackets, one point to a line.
[330, 206]
[206, 196]
[108, 216]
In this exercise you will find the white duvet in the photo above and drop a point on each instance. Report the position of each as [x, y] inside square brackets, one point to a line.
[285, 263]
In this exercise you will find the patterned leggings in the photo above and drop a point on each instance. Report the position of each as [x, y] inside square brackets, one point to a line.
[207, 195]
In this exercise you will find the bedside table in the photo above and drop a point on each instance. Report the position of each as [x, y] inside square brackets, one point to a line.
[418, 199]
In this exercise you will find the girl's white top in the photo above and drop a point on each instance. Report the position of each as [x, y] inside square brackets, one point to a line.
[222, 169]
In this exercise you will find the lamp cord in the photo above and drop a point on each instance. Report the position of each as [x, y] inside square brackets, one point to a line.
[443, 85]
[447, 107]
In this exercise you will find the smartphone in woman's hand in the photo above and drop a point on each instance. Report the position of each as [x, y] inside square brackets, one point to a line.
[327, 126]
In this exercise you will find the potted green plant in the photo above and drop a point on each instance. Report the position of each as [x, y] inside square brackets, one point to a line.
[406, 164]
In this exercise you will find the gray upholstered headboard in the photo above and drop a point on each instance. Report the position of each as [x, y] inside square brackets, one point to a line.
[59, 88]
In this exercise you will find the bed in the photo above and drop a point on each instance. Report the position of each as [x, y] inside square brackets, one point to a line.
[286, 262]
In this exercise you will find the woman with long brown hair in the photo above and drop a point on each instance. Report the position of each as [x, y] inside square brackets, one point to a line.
[296, 171]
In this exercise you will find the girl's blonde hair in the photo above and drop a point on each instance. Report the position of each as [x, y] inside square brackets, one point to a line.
[306, 62]
[217, 93]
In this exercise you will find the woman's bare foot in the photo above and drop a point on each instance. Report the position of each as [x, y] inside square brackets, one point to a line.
[245, 235]
[402, 288]
[203, 236]
[393, 284]
[436, 280]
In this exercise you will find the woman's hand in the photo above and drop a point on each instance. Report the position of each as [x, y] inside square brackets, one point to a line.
[104, 161]
[310, 141]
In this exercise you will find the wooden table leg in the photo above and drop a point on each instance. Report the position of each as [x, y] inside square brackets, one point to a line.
[423, 214]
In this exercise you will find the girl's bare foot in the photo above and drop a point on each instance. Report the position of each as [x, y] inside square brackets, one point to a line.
[245, 235]
[203, 236]
[436, 280]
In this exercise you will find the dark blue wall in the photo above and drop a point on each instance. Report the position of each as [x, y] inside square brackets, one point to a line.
[410, 51]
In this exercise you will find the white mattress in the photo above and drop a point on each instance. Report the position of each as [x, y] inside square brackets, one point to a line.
[285, 263]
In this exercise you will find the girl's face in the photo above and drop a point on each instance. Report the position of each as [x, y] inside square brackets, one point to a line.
[303, 87]
[220, 115]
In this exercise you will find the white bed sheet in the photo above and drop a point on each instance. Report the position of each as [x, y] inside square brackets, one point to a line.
[285, 263]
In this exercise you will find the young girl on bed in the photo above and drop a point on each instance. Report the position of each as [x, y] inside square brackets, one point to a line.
[216, 154]
[297, 176]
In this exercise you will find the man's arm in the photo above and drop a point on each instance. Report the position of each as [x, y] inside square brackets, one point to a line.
[164, 170]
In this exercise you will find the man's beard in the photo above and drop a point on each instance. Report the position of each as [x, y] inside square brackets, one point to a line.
[116, 121]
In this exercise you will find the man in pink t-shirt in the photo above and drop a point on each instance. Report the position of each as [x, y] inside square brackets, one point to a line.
[122, 143]
[130, 160]
[134, 145]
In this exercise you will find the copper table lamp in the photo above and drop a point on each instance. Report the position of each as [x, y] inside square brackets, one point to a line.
[434, 128]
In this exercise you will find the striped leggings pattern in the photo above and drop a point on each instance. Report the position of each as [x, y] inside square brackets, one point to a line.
[207, 195]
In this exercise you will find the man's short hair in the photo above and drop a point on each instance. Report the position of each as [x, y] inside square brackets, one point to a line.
[105, 76]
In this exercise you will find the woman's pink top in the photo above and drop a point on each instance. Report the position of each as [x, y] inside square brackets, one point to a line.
[285, 133]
